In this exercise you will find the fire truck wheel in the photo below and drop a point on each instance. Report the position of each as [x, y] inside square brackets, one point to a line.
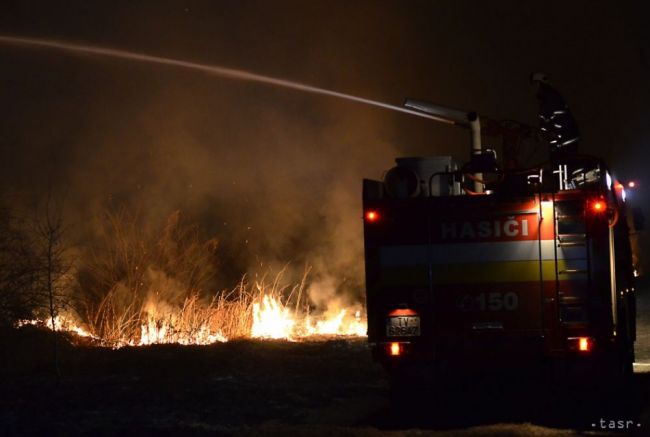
[618, 366]
[627, 363]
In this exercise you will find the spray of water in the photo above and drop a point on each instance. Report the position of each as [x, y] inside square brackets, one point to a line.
[230, 73]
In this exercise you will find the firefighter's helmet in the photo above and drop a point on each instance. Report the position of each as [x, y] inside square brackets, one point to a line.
[538, 78]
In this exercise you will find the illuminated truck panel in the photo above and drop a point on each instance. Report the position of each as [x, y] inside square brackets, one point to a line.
[456, 273]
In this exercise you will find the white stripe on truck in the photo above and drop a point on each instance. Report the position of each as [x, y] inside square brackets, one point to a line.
[475, 253]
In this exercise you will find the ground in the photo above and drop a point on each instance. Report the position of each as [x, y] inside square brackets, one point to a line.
[324, 387]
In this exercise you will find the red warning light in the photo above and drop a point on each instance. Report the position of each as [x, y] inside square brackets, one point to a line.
[372, 216]
[402, 312]
[598, 206]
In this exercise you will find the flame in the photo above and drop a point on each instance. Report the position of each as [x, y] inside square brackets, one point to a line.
[61, 323]
[163, 332]
[189, 326]
[153, 332]
[271, 319]
[340, 324]
[328, 326]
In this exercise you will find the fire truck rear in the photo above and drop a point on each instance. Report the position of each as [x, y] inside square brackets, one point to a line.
[472, 266]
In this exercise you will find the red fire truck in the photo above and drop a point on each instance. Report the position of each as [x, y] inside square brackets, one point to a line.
[474, 265]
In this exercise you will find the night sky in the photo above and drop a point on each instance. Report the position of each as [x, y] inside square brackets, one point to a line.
[277, 173]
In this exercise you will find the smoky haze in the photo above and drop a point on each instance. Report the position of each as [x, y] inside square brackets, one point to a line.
[276, 174]
[269, 173]
[272, 192]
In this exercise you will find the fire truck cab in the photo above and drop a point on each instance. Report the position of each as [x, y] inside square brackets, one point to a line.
[471, 265]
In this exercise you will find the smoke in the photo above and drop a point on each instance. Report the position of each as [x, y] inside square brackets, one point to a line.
[275, 184]
[275, 174]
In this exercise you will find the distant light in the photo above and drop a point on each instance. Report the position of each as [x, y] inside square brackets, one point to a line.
[619, 186]
[631, 184]
[584, 345]
[608, 180]
[372, 216]
[395, 349]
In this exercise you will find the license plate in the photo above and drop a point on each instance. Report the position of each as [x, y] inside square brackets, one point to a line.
[403, 326]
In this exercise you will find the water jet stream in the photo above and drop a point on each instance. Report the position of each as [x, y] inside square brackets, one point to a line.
[230, 73]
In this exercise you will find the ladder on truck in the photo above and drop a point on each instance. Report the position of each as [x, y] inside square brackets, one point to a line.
[572, 260]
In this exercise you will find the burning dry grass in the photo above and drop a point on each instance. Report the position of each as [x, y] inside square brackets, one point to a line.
[153, 323]
[263, 309]
[140, 288]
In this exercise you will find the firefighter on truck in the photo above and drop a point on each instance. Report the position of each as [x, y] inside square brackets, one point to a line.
[475, 263]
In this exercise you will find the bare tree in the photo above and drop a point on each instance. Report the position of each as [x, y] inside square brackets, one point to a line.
[53, 266]
[17, 270]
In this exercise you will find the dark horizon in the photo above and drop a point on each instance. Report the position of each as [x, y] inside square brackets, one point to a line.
[183, 252]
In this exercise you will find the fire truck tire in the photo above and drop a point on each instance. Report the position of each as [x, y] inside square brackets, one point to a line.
[622, 354]
[618, 365]
[627, 362]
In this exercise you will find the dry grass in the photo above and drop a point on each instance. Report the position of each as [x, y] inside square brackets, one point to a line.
[227, 315]
[138, 276]
[113, 322]
[156, 287]
[142, 286]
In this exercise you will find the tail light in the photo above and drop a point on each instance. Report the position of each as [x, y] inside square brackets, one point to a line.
[371, 216]
[581, 344]
[395, 349]
[584, 344]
